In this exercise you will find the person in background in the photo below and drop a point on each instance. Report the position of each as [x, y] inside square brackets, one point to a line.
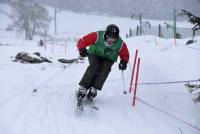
[41, 43]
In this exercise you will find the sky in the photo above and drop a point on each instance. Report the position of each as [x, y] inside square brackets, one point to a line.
[155, 9]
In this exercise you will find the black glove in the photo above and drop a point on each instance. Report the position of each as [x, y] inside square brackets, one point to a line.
[83, 52]
[122, 65]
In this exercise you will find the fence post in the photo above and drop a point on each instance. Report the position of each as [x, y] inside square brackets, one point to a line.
[45, 46]
[140, 19]
[137, 31]
[175, 26]
[130, 33]
[65, 49]
[136, 81]
[134, 64]
[52, 47]
[175, 23]
[193, 34]
[159, 31]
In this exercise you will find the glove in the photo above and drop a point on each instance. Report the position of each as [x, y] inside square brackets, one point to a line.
[83, 52]
[122, 65]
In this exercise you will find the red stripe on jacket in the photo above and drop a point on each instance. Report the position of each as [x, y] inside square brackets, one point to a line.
[91, 39]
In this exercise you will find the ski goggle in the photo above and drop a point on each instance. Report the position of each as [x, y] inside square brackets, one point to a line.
[110, 39]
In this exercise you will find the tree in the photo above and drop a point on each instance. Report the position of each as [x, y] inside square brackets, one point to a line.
[29, 17]
[193, 19]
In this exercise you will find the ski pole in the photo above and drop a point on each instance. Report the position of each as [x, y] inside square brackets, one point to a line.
[124, 91]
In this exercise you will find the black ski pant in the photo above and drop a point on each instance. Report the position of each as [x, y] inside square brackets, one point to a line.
[96, 73]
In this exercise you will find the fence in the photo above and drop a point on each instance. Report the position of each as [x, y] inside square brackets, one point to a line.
[164, 31]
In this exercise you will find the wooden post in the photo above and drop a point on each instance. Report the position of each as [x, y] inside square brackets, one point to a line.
[55, 20]
[130, 33]
[175, 23]
[137, 32]
[140, 19]
[159, 31]
[175, 26]
[193, 34]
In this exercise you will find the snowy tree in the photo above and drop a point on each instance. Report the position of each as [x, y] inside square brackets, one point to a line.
[29, 17]
[193, 19]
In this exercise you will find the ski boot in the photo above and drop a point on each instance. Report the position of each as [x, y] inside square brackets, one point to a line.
[91, 94]
[80, 95]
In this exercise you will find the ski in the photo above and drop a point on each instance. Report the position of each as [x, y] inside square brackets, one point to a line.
[80, 107]
[85, 103]
[90, 104]
[94, 107]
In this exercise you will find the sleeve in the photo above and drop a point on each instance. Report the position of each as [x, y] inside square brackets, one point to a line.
[124, 53]
[87, 40]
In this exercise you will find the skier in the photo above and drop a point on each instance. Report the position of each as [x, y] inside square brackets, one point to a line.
[41, 43]
[104, 49]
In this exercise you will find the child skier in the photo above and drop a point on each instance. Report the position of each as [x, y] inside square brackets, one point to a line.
[104, 49]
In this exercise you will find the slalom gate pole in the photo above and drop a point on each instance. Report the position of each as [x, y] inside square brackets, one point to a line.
[45, 46]
[52, 47]
[155, 41]
[134, 64]
[65, 49]
[136, 81]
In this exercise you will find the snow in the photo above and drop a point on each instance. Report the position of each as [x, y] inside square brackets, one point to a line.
[52, 110]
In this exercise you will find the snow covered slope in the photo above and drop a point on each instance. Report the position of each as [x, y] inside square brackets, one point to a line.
[160, 109]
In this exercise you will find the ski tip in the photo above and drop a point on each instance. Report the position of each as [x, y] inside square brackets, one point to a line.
[94, 107]
[80, 108]
[34, 90]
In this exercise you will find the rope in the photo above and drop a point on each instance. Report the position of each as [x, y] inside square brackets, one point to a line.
[170, 82]
[168, 114]
[193, 48]
[54, 76]
[159, 83]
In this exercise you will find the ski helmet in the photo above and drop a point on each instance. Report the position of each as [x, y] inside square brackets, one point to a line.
[112, 31]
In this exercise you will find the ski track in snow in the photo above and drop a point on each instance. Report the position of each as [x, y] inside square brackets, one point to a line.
[52, 109]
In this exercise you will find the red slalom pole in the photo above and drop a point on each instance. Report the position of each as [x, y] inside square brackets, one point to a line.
[65, 49]
[136, 81]
[136, 53]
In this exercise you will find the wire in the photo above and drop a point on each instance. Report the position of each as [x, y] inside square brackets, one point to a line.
[170, 82]
[54, 76]
[168, 114]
